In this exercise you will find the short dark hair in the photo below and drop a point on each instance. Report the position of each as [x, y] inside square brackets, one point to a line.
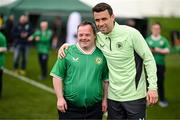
[156, 23]
[88, 23]
[102, 7]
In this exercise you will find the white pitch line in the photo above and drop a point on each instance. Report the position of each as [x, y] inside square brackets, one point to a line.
[30, 81]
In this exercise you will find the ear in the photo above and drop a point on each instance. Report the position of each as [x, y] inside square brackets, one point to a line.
[113, 17]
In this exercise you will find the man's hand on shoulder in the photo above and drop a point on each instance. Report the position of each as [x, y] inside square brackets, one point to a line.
[61, 53]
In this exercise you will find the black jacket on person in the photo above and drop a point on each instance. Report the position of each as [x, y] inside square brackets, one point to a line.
[18, 30]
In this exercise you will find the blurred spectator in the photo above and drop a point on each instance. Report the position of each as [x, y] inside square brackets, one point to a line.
[1, 20]
[159, 46]
[57, 30]
[42, 38]
[2, 50]
[131, 22]
[20, 34]
[175, 38]
[9, 25]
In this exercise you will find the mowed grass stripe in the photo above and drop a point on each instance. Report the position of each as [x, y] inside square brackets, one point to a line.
[28, 80]
[21, 100]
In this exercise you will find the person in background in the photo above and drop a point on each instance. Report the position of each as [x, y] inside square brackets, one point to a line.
[1, 20]
[43, 41]
[8, 27]
[57, 32]
[20, 33]
[81, 79]
[3, 48]
[159, 46]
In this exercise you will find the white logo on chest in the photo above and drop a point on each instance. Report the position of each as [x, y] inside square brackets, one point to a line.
[161, 42]
[75, 59]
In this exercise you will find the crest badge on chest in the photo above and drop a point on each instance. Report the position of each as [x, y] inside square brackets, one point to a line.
[98, 60]
[119, 45]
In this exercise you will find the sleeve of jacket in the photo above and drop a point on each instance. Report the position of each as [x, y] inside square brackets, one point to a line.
[142, 49]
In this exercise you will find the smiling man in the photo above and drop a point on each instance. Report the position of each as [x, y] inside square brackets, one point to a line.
[128, 57]
[78, 79]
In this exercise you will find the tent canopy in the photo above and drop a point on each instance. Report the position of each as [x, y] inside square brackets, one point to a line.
[46, 6]
[122, 8]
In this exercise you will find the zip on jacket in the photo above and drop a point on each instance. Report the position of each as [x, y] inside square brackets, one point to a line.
[110, 47]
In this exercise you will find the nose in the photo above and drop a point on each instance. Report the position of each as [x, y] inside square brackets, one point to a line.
[83, 37]
[100, 23]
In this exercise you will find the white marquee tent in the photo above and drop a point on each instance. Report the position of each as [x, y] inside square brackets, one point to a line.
[141, 8]
[5, 2]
